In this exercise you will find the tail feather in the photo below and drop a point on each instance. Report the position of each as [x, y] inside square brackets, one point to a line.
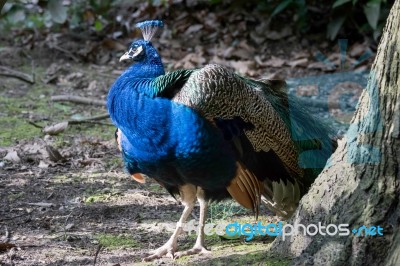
[245, 189]
[281, 197]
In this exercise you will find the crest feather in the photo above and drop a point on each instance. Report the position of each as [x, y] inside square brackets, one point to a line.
[149, 28]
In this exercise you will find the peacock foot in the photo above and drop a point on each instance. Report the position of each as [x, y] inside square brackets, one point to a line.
[197, 249]
[168, 250]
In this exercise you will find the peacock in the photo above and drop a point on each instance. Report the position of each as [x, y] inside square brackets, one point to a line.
[211, 134]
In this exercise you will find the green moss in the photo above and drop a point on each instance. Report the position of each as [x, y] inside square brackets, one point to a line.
[98, 198]
[116, 241]
[15, 129]
[225, 210]
[101, 195]
[13, 197]
[23, 104]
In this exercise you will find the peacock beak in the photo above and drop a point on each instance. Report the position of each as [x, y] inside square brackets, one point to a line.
[131, 54]
[126, 56]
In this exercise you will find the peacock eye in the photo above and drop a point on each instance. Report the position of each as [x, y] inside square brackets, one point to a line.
[135, 50]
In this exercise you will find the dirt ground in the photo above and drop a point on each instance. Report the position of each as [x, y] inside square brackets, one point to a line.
[64, 198]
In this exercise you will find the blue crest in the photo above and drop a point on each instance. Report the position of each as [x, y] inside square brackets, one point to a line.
[149, 28]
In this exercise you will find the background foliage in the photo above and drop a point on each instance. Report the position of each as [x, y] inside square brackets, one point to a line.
[336, 18]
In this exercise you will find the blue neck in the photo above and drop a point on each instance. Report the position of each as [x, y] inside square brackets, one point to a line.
[149, 68]
[126, 98]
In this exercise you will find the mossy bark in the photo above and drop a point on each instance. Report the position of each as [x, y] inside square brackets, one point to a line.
[360, 185]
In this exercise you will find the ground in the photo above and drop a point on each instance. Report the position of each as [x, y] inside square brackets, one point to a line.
[65, 199]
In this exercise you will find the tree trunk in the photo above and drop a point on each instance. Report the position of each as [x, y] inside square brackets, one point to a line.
[360, 184]
[2, 3]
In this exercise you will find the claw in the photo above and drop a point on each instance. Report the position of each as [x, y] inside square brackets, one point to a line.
[195, 250]
[167, 249]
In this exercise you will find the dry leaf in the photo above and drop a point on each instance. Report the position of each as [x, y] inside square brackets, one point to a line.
[274, 35]
[307, 90]
[34, 149]
[54, 154]
[193, 28]
[321, 66]
[92, 85]
[357, 50]
[55, 129]
[5, 246]
[258, 39]
[275, 62]
[69, 226]
[43, 165]
[242, 67]
[300, 62]
[12, 156]
[298, 55]
[259, 61]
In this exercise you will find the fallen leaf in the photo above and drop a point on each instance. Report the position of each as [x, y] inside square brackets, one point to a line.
[55, 129]
[12, 156]
[357, 50]
[193, 28]
[54, 154]
[227, 53]
[92, 85]
[260, 61]
[242, 67]
[275, 62]
[43, 165]
[5, 246]
[298, 55]
[300, 62]
[275, 35]
[69, 226]
[74, 76]
[307, 90]
[34, 149]
[321, 66]
[258, 39]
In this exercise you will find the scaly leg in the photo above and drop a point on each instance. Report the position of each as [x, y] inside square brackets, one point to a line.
[198, 247]
[188, 197]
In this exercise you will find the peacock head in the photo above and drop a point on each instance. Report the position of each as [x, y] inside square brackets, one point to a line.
[143, 50]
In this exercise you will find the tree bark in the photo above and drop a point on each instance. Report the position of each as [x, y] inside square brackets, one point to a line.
[360, 184]
[2, 3]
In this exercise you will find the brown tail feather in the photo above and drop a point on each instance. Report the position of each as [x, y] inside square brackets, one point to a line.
[245, 189]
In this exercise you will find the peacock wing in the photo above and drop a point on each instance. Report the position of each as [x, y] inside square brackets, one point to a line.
[216, 92]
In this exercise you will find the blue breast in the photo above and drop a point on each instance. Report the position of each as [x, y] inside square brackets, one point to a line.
[166, 140]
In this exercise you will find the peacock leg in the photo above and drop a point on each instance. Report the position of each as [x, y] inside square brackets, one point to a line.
[198, 247]
[188, 197]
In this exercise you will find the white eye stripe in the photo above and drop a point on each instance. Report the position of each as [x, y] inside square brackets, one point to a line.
[134, 52]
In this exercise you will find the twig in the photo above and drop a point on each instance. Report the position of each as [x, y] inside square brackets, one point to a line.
[7, 235]
[90, 122]
[97, 253]
[11, 218]
[34, 124]
[77, 99]
[92, 119]
[54, 46]
[8, 72]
